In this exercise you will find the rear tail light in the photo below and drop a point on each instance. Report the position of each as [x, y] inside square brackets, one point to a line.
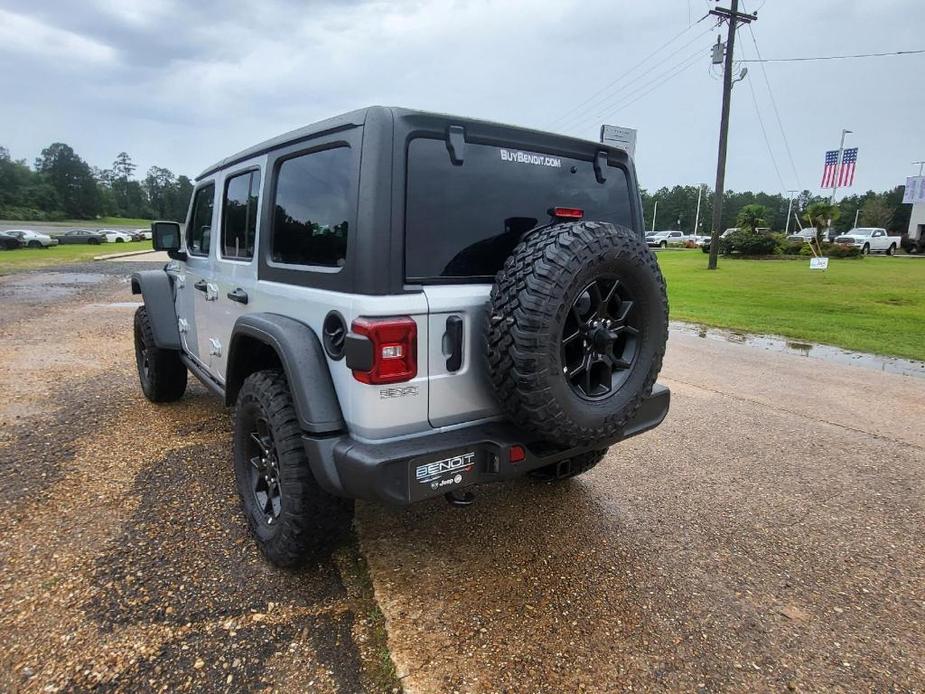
[394, 349]
[517, 454]
[567, 212]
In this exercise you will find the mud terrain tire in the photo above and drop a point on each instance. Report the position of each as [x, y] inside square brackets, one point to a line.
[554, 306]
[290, 516]
[162, 374]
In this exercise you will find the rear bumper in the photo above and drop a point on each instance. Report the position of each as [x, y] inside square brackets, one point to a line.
[420, 467]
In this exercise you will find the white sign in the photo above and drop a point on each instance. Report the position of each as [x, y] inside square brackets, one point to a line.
[915, 190]
[819, 263]
[624, 138]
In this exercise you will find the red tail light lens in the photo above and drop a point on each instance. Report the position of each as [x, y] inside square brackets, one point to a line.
[567, 212]
[395, 349]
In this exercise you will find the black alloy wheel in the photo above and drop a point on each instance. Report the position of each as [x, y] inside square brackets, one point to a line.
[264, 460]
[600, 339]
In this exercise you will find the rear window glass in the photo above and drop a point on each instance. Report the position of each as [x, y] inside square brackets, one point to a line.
[463, 221]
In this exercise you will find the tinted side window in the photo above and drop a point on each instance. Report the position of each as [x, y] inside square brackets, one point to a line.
[199, 233]
[311, 209]
[239, 215]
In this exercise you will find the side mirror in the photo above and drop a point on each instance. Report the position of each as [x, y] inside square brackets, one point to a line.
[166, 237]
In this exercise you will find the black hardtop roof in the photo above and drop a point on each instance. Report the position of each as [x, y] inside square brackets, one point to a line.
[358, 118]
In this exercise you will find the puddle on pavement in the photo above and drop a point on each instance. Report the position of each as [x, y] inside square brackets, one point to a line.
[114, 304]
[904, 367]
[48, 285]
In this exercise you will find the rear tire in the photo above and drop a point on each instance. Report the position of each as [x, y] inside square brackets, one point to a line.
[569, 468]
[289, 515]
[891, 250]
[162, 374]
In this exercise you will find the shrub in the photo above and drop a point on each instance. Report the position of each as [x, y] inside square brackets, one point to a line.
[794, 247]
[749, 243]
[833, 250]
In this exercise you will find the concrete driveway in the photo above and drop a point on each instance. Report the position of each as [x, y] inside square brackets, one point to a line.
[768, 536]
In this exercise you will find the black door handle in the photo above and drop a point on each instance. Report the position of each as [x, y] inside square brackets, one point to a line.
[454, 333]
[238, 295]
[201, 285]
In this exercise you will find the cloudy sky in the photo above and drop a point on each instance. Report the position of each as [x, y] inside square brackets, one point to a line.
[184, 84]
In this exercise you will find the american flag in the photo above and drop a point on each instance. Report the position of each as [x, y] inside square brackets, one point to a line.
[845, 172]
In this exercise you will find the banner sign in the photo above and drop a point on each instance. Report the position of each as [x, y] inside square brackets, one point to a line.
[819, 263]
[624, 138]
[915, 190]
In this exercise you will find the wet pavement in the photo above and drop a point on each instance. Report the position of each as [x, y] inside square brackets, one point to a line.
[767, 537]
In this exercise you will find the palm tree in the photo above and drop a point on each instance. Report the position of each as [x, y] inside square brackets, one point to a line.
[821, 215]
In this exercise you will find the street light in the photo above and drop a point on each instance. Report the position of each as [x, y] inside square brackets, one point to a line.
[697, 215]
[841, 149]
[789, 208]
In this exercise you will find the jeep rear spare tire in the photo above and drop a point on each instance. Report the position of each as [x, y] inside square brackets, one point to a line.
[577, 326]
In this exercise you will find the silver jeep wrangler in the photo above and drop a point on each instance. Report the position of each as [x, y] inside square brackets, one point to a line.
[401, 305]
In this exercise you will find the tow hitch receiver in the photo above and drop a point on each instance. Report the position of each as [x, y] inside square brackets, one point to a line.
[458, 497]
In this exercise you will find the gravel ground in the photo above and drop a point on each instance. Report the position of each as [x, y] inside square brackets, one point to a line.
[126, 563]
[767, 537]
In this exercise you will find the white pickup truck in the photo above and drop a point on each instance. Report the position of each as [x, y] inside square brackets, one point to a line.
[870, 240]
[663, 239]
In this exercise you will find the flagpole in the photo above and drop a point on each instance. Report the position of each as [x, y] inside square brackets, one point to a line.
[838, 164]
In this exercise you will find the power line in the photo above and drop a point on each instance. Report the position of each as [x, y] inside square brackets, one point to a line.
[614, 98]
[833, 57]
[667, 76]
[764, 133]
[780, 123]
[624, 74]
[603, 103]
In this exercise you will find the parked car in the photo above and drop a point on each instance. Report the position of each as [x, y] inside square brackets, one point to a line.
[663, 239]
[806, 234]
[82, 236]
[142, 234]
[33, 239]
[869, 240]
[9, 242]
[354, 344]
[113, 236]
[705, 246]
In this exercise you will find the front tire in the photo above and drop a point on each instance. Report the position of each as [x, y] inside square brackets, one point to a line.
[865, 250]
[35, 244]
[663, 244]
[287, 512]
[162, 374]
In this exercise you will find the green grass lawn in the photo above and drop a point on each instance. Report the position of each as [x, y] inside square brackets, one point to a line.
[32, 258]
[873, 304]
[101, 223]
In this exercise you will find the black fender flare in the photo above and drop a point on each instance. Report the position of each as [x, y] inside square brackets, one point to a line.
[156, 289]
[304, 363]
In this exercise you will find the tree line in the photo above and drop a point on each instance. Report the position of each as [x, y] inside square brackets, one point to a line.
[677, 208]
[61, 185]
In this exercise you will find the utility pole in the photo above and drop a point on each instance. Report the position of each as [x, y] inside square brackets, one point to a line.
[654, 215]
[789, 208]
[734, 18]
[841, 150]
[921, 164]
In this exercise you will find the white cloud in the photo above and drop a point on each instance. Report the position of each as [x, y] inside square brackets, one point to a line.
[24, 35]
